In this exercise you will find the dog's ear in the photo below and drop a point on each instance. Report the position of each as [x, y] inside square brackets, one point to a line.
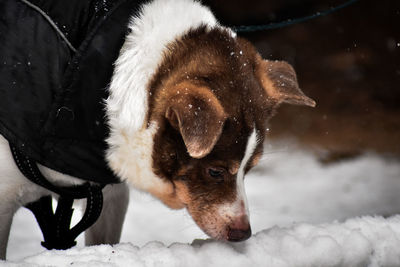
[280, 82]
[198, 115]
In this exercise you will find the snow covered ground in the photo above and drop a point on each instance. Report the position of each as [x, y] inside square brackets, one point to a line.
[298, 213]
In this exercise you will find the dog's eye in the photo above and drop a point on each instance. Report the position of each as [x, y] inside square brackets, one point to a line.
[182, 178]
[216, 172]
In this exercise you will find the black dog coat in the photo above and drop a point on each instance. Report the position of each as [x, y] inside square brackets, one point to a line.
[56, 60]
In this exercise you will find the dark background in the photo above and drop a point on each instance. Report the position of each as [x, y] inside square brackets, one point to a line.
[348, 61]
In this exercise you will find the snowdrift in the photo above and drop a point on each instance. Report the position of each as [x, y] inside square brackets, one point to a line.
[365, 241]
[303, 204]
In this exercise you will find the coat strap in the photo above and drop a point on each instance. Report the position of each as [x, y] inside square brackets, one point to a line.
[55, 227]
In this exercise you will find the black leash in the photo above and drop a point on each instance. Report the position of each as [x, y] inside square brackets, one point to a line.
[55, 227]
[281, 24]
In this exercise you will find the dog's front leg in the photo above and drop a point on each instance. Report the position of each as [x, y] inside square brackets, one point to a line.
[6, 216]
[107, 229]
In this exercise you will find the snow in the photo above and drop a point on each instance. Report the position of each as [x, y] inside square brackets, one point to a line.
[303, 213]
[367, 241]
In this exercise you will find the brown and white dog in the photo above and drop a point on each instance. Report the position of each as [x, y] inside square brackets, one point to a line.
[187, 111]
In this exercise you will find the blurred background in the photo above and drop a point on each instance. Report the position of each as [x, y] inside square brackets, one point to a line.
[348, 61]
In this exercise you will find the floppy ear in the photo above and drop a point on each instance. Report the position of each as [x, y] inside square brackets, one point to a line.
[280, 82]
[197, 114]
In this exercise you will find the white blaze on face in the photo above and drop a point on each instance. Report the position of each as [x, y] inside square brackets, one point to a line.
[251, 146]
[236, 209]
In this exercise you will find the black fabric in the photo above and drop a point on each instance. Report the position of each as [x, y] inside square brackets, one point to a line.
[51, 99]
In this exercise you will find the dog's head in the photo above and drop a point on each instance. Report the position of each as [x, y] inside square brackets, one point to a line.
[198, 127]
[211, 99]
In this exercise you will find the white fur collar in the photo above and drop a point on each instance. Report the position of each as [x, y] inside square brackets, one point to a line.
[131, 142]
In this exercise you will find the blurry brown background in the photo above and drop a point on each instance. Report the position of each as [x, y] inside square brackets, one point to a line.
[348, 61]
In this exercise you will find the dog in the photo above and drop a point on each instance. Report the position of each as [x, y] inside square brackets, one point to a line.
[187, 111]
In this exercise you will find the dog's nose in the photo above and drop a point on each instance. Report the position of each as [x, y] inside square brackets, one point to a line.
[239, 230]
[236, 235]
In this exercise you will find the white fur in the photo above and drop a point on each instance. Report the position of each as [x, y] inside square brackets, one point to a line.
[251, 146]
[130, 143]
[159, 23]
[132, 160]
[236, 209]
